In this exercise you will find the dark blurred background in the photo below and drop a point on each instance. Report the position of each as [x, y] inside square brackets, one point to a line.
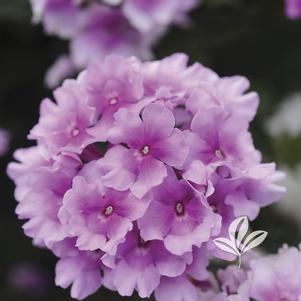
[252, 38]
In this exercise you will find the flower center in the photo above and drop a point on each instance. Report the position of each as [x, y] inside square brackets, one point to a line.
[214, 208]
[113, 101]
[142, 243]
[75, 131]
[219, 154]
[113, 2]
[224, 172]
[145, 150]
[180, 210]
[109, 210]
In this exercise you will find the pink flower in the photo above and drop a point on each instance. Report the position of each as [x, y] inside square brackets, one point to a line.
[98, 216]
[276, 277]
[39, 193]
[147, 15]
[144, 262]
[137, 168]
[224, 141]
[293, 9]
[228, 93]
[94, 29]
[63, 125]
[110, 89]
[178, 289]
[58, 16]
[178, 216]
[104, 30]
[154, 142]
[61, 69]
[81, 270]
[266, 278]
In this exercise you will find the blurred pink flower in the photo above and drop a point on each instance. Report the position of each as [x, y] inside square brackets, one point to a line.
[293, 9]
[95, 29]
[28, 279]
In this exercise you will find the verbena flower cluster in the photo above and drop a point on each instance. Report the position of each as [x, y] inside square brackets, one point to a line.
[96, 28]
[137, 167]
[293, 9]
[265, 278]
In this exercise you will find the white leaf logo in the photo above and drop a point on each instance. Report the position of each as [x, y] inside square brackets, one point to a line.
[239, 242]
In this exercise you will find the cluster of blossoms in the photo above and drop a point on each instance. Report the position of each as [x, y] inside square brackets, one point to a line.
[293, 9]
[97, 28]
[268, 278]
[137, 168]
